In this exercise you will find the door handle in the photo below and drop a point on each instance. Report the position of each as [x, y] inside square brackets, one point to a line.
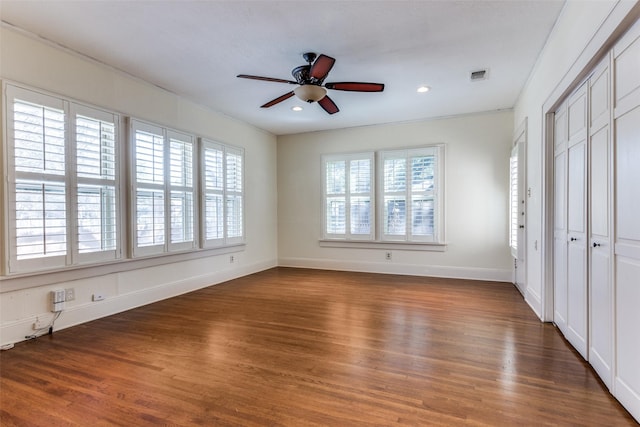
[521, 226]
[595, 245]
[573, 239]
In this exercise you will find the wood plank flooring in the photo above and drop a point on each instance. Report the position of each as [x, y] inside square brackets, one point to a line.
[296, 347]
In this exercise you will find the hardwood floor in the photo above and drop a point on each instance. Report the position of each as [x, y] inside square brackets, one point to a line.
[299, 347]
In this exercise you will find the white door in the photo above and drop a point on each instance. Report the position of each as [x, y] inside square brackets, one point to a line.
[517, 233]
[600, 204]
[627, 220]
[560, 307]
[577, 309]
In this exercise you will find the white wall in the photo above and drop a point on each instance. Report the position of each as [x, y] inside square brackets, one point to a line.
[40, 65]
[582, 32]
[477, 178]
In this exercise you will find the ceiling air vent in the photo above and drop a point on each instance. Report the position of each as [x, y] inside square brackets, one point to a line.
[479, 75]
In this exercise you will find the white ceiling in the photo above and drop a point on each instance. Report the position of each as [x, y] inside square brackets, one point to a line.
[196, 49]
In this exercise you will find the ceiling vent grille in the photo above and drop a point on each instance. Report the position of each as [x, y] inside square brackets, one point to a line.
[479, 75]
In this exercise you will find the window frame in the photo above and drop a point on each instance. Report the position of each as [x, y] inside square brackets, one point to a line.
[67, 179]
[348, 194]
[437, 194]
[164, 188]
[433, 242]
[224, 192]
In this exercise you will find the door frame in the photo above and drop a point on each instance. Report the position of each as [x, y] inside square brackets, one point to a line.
[520, 261]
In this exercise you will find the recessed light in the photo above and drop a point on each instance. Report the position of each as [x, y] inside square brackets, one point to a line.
[423, 89]
[296, 108]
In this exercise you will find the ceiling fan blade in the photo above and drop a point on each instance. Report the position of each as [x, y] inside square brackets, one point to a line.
[277, 100]
[321, 67]
[356, 86]
[266, 79]
[328, 105]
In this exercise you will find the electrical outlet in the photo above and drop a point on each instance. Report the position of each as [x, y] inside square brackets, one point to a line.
[38, 324]
[98, 297]
[70, 294]
[387, 255]
[232, 259]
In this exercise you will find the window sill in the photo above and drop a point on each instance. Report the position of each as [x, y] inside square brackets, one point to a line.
[368, 244]
[20, 281]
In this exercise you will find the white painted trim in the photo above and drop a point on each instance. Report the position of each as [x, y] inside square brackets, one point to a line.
[42, 278]
[371, 244]
[12, 332]
[385, 267]
[535, 302]
[628, 398]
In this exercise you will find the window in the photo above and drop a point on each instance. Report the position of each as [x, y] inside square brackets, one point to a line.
[65, 196]
[409, 204]
[223, 194]
[410, 182]
[513, 201]
[163, 196]
[348, 196]
[62, 189]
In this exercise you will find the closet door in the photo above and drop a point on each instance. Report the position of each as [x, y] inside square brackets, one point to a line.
[600, 204]
[577, 326]
[627, 217]
[560, 306]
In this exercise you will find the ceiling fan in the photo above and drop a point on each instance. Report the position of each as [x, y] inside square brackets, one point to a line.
[312, 88]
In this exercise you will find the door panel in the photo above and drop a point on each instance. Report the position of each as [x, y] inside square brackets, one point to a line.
[627, 220]
[600, 260]
[577, 302]
[560, 243]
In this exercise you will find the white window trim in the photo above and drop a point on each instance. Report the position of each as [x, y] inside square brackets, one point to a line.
[348, 236]
[94, 257]
[437, 243]
[225, 240]
[436, 150]
[513, 201]
[45, 270]
[166, 246]
[70, 108]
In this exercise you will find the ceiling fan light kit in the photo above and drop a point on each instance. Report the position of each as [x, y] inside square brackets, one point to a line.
[310, 79]
[310, 93]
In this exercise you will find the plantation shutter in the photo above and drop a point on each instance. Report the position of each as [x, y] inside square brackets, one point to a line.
[148, 194]
[348, 194]
[181, 190]
[223, 194]
[37, 179]
[97, 194]
[410, 208]
[513, 202]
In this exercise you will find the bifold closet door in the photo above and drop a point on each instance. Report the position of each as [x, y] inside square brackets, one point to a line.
[577, 310]
[627, 217]
[600, 206]
[560, 307]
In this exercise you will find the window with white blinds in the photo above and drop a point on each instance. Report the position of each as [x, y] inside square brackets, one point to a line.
[62, 186]
[408, 206]
[348, 196]
[222, 194]
[411, 182]
[65, 197]
[163, 199]
[97, 195]
[513, 201]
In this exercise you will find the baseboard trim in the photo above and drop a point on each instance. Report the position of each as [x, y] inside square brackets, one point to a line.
[629, 399]
[535, 302]
[489, 274]
[13, 332]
